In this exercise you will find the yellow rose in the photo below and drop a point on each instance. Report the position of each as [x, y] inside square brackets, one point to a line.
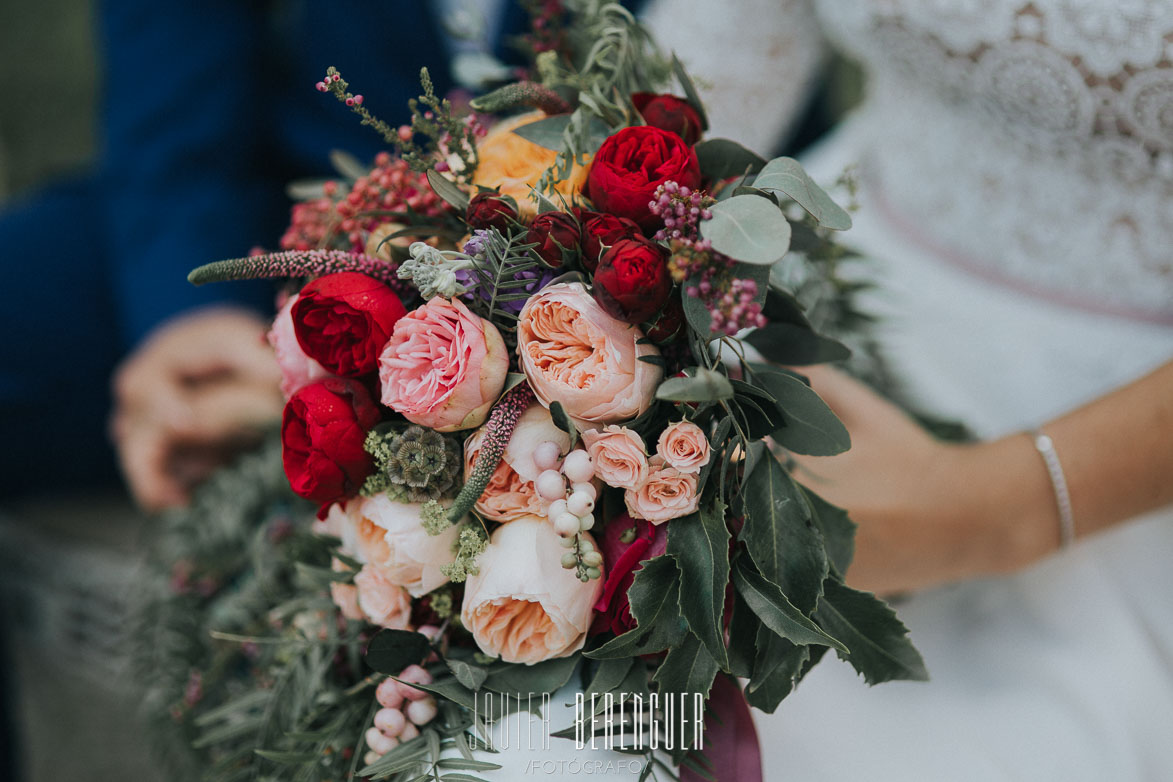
[514, 165]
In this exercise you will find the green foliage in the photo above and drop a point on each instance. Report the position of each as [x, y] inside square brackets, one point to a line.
[390, 651]
[698, 385]
[471, 543]
[655, 605]
[879, 646]
[700, 544]
[787, 176]
[810, 426]
[749, 229]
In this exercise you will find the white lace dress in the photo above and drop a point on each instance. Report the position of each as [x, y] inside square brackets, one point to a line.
[1016, 161]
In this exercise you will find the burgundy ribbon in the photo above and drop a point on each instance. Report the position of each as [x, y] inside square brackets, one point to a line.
[731, 741]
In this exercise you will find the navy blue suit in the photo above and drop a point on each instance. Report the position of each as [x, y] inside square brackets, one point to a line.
[209, 109]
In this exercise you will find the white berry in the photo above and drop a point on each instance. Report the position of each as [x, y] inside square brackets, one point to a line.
[546, 455]
[390, 721]
[556, 509]
[585, 523]
[566, 525]
[551, 485]
[422, 712]
[378, 742]
[578, 467]
[580, 503]
[587, 488]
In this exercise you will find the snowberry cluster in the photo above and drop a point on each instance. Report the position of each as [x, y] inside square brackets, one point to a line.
[566, 484]
[391, 186]
[681, 209]
[404, 710]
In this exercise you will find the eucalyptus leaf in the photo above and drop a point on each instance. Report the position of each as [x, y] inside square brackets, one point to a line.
[786, 343]
[447, 190]
[782, 307]
[700, 544]
[702, 385]
[748, 229]
[880, 648]
[696, 314]
[766, 600]
[786, 175]
[811, 427]
[655, 604]
[390, 651]
[782, 540]
[721, 158]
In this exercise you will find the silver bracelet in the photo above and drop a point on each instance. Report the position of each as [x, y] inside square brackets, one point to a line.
[1046, 448]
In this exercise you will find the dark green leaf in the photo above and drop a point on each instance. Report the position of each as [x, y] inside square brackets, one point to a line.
[655, 604]
[390, 651]
[743, 633]
[721, 158]
[562, 420]
[782, 540]
[471, 676]
[690, 92]
[786, 175]
[748, 229]
[786, 343]
[880, 648]
[545, 676]
[782, 664]
[688, 668]
[447, 190]
[550, 132]
[700, 544]
[464, 764]
[782, 307]
[450, 688]
[811, 428]
[609, 675]
[775, 610]
[838, 530]
[698, 385]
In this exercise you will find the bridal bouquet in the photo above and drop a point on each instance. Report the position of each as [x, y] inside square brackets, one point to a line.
[539, 378]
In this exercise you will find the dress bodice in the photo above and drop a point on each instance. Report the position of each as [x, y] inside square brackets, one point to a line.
[1030, 142]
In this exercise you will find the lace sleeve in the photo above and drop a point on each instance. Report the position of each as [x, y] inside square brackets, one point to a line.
[754, 61]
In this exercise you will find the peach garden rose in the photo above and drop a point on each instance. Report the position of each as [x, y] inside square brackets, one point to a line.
[666, 494]
[574, 353]
[511, 493]
[618, 455]
[523, 606]
[683, 445]
[384, 603]
[391, 537]
[443, 367]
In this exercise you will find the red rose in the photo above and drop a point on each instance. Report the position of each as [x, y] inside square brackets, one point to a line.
[322, 434]
[667, 322]
[624, 560]
[343, 320]
[554, 233]
[600, 231]
[631, 164]
[670, 113]
[489, 210]
[632, 282]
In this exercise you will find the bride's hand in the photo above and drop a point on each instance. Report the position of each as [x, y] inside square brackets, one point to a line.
[929, 512]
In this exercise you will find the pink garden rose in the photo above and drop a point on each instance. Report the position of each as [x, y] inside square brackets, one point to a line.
[297, 369]
[391, 537]
[443, 367]
[666, 494]
[683, 445]
[345, 596]
[575, 353]
[384, 603]
[618, 456]
[523, 606]
[511, 494]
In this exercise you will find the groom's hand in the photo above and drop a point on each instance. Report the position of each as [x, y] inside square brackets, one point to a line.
[200, 389]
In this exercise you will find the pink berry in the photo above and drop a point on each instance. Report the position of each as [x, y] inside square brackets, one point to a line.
[378, 742]
[413, 674]
[422, 712]
[410, 731]
[391, 721]
[388, 694]
[578, 467]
